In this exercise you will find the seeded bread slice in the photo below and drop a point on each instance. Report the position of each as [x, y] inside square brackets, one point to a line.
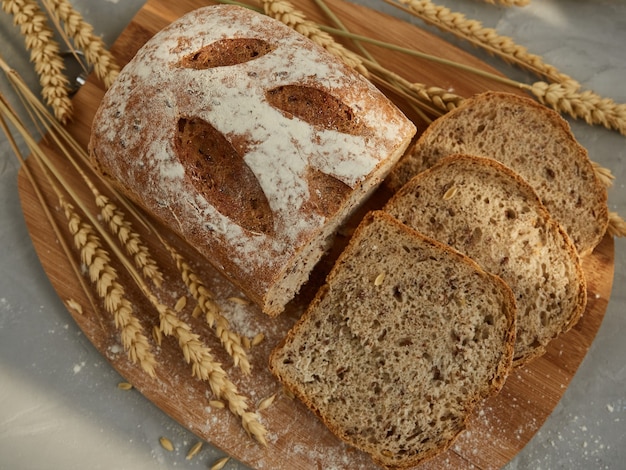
[531, 139]
[488, 212]
[406, 336]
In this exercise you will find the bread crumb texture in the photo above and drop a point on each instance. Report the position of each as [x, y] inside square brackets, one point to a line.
[529, 138]
[488, 212]
[395, 367]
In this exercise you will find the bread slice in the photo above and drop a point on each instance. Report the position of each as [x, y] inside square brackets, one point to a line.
[488, 212]
[531, 139]
[406, 336]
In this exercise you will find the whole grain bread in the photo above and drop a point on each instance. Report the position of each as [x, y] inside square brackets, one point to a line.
[531, 139]
[248, 140]
[488, 212]
[406, 336]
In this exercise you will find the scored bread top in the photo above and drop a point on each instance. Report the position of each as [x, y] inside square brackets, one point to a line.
[209, 128]
[534, 141]
[399, 345]
[485, 210]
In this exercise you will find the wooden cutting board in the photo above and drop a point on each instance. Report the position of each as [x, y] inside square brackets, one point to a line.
[500, 427]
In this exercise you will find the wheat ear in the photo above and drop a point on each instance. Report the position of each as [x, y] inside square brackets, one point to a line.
[582, 105]
[44, 53]
[229, 339]
[285, 12]
[617, 225]
[128, 237]
[104, 276]
[205, 367]
[82, 34]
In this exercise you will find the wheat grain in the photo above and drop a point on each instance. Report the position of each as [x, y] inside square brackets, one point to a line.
[258, 339]
[166, 444]
[180, 304]
[266, 402]
[157, 335]
[220, 464]
[194, 450]
[285, 12]
[84, 39]
[124, 386]
[74, 305]
[104, 276]
[230, 340]
[44, 53]
[217, 404]
[238, 300]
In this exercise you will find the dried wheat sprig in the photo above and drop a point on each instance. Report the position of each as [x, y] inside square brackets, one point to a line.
[285, 12]
[475, 33]
[206, 368]
[44, 53]
[128, 237]
[82, 34]
[230, 340]
[104, 276]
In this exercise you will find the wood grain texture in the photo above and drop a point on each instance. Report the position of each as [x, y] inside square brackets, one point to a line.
[500, 427]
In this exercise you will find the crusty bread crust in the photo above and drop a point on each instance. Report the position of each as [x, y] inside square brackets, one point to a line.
[209, 129]
[534, 141]
[401, 343]
[488, 212]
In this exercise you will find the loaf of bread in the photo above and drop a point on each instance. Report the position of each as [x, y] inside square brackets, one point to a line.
[535, 142]
[249, 141]
[406, 336]
[488, 212]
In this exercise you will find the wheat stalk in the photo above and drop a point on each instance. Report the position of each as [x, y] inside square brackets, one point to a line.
[44, 53]
[509, 3]
[206, 368]
[285, 12]
[104, 276]
[229, 339]
[81, 32]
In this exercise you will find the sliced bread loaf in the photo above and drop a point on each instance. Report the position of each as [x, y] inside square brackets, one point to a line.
[531, 139]
[488, 212]
[399, 345]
